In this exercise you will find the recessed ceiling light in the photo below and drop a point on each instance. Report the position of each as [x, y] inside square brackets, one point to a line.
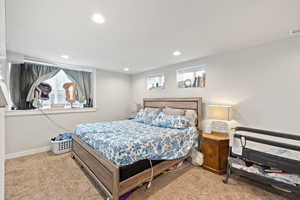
[176, 53]
[126, 69]
[98, 18]
[295, 31]
[65, 56]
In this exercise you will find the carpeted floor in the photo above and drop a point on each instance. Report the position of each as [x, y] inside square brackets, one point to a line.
[45, 176]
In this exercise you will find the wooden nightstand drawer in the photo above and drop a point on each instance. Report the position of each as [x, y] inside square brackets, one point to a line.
[215, 150]
[210, 154]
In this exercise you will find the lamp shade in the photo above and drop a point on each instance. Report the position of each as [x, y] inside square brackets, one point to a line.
[219, 112]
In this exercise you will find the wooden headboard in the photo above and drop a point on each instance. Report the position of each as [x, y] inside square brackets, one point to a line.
[194, 103]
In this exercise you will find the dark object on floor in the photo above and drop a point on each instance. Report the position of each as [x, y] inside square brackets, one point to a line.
[125, 196]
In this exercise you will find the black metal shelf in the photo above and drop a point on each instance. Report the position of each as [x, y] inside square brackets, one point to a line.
[265, 159]
[267, 180]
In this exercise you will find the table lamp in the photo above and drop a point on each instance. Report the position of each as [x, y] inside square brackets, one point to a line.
[220, 115]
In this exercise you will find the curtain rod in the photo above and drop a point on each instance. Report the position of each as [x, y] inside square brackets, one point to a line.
[60, 65]
[39, 62]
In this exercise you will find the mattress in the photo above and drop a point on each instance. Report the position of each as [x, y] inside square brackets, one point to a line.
[135, 168]
[277, 151]
[126, 142]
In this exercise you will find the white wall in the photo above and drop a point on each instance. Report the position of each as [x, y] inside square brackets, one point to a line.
[261, 82]
[2, 30]
[25, 133]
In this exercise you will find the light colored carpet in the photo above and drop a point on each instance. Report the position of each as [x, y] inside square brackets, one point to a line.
[45, 176]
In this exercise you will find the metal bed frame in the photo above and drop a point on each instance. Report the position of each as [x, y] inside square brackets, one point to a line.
[265, 159]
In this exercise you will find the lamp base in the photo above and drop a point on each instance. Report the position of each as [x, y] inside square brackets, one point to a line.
[219, 126]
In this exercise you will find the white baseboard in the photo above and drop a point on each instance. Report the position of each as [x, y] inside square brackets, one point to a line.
[28, 152]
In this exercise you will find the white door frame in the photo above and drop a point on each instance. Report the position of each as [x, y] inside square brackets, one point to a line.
[2, 110]
[2, 151]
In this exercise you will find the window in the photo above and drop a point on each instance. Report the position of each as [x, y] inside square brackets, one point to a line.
[155, 81]
[191, 77]
[36, 85]
[57, 97]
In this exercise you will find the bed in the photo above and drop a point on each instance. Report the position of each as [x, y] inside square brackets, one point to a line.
[263, 151]
[122, 155]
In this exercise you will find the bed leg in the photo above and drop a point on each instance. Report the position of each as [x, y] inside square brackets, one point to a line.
[225, 181]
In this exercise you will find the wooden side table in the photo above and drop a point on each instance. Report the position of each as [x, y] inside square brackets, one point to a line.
[215, 149]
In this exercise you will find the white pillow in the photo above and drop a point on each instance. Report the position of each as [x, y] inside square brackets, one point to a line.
[173, 111]
[152, 109]
[192, 116]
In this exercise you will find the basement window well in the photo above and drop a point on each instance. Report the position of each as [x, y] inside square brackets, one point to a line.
[191, 77]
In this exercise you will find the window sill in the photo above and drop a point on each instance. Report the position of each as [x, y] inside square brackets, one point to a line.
[157, 88]
[11, 113]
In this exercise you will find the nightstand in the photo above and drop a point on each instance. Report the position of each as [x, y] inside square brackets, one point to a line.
[215, 148]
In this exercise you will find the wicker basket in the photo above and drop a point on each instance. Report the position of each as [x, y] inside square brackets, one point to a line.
[61, 146]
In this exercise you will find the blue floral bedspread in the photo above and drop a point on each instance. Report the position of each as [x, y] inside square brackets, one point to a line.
[125, 142]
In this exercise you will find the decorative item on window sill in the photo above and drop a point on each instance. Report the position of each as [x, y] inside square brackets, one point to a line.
[42, 92]
[155, 85]
[70, 89]
[188, 83]
[191, 77]
[220, 116]
[155, 81]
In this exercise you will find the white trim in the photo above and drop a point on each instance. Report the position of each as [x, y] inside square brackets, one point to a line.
[7, 78]
[2, 112]
[94, 87]
[202, 66]
[12, 113]
[2, 151]
[27, 152]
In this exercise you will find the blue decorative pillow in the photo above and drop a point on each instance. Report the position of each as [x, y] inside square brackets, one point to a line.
[171, 121]
[140, 116]
[146, 117]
